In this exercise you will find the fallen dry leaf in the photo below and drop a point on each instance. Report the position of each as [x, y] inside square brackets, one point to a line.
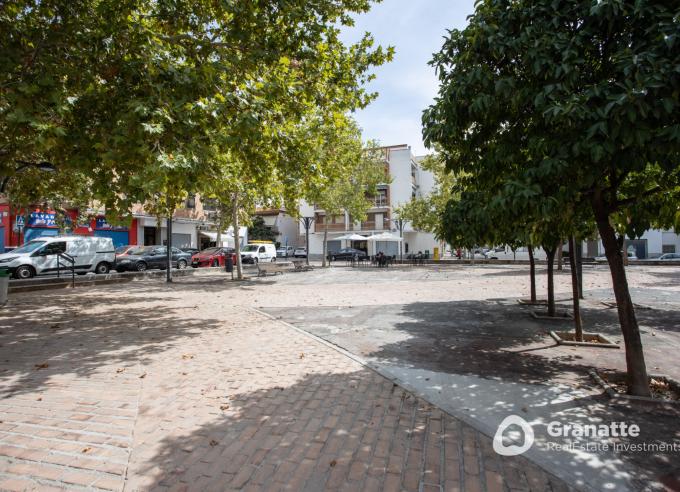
[39, 398]
[213, 442]
[302, 355]
[142, 376]
[44, 365]
[333, 463]
[120, 369]
[187, 356]
[85, 450]
[224, 407]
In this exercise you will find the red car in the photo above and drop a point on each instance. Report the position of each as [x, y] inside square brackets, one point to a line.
[212, 257]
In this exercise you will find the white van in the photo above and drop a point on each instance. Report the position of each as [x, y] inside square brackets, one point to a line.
[258, 251]
[40, 256]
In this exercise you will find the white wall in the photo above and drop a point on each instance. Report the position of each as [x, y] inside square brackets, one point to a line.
[400, 171]
[288, 229]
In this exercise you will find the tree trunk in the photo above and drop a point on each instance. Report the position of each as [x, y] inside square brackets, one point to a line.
[168, 265]
[532, 273]
[550, 254]
[638, 383]
[560, 245]
[237, 245]
[579, 268]
[578, 328]
[324, 250]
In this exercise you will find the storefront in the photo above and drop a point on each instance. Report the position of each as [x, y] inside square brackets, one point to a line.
[39, 224]
[121, 235]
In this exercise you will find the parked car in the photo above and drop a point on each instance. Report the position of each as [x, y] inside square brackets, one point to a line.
[191, 251]
[347, 254]
[631, 256]
[300, 253]
[40, 256]
[285, 251]
[213, 257]
[258, 251]
[149, 257]
[669, 257]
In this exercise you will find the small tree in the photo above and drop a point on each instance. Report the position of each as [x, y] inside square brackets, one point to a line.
[259, 231]
[579, 94]
[357, 170]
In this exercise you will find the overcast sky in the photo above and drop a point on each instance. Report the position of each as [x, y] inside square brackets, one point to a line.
[416, 29]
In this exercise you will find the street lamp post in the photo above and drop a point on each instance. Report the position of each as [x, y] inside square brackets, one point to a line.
[400, 225]
[43, 166]
[307, 222]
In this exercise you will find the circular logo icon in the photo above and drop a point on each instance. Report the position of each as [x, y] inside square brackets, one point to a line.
[513, 449]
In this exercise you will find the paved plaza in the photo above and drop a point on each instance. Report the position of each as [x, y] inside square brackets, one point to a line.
[306, 381]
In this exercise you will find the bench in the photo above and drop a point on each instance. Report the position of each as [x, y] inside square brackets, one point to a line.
[274, 267]
[301, 266]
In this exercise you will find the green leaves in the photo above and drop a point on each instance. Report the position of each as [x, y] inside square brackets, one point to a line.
[110, 90]
[543, 104]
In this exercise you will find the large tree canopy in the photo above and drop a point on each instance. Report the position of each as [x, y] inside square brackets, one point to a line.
[142, 95]
[569, 104]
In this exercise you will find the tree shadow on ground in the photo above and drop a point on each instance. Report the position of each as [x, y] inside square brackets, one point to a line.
[325, 431]
[500, 342]
[79, 332]
[663, 278]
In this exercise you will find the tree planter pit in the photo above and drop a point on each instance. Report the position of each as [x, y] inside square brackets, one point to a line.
[590, 339]
[559, 315]
[618, 397]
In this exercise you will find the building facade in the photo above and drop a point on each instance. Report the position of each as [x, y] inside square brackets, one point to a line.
[408, 180]
[192, 226]
[652, 244]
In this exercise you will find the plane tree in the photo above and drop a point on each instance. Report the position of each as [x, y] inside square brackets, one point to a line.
[131, 93]
[352, 171]
[591, 93]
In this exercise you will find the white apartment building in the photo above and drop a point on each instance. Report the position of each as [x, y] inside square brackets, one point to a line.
[409, 180]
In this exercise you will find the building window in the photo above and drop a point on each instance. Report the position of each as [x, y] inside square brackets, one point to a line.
[380, 198]
[209, 203]
[668, 248]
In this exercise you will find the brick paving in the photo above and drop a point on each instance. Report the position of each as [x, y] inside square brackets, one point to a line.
[157, 389]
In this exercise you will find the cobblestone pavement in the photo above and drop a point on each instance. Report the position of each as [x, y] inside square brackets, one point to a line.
[150, 387]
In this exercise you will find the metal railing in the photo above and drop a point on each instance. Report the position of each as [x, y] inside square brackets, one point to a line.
[70, 260]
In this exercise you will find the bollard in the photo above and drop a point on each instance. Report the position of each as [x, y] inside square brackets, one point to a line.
[4, 286]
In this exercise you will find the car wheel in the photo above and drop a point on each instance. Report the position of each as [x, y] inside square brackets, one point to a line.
[141, 266]
[332, 258]
[181, 264]
[24, 272]
[103, 268]
[216, 263]
[273, 259]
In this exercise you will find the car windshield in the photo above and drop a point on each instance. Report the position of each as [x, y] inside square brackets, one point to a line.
[121, 249]
[29, 247]
[210, 251]
[250, 248]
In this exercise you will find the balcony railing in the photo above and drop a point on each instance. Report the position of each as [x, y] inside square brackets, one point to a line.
[331, 227]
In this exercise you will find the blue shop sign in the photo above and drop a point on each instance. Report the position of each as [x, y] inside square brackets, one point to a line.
[41, 219]
[102, 224]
